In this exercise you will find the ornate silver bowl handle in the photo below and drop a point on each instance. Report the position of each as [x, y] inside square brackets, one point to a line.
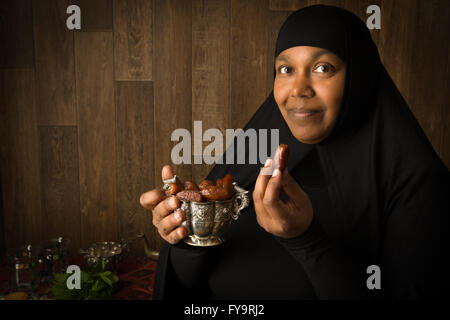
[241, 201]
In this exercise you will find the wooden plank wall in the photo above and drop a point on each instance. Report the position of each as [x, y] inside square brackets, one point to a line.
[87, 115]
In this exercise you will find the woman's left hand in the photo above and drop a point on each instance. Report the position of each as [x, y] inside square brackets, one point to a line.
[287, 219]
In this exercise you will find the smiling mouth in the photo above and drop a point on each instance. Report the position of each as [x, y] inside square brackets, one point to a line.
[303, 113]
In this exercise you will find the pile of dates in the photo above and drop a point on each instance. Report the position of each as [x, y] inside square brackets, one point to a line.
[207, 190]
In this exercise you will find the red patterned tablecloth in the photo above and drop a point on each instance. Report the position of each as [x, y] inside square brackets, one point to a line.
[136, 278]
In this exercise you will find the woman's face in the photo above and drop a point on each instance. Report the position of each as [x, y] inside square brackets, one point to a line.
[309, 88]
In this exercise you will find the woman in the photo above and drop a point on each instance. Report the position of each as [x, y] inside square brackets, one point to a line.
[363, 186]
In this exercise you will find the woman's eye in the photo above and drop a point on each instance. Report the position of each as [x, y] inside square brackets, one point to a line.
[284, 69]
[323, 68]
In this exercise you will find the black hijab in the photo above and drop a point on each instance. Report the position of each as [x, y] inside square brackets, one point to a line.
[381, 174]
[344, 34]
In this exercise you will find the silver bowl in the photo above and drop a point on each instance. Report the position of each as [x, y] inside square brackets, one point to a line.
[206, 222]
[111, 252]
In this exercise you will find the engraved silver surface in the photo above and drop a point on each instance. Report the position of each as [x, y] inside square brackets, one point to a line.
[207, 221]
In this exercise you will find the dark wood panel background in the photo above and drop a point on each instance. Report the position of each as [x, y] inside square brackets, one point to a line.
[87, 115]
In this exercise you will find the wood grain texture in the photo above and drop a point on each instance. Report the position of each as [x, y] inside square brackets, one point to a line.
[172, 61]
[16, 34]
[397, 41]
[55, 70]
[336, 3]
[274, 24]
[20, 163]
[133, 39]
[96, 136]
[293, 5]
[96, 15]
[210, 72]
[287, 5]
[248, 58]
[135, 167]
[407, 45]
[211, 61]
[60, 188]
[428, 64]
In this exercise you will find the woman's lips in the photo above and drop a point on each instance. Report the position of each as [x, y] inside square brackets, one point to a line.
[303, 113]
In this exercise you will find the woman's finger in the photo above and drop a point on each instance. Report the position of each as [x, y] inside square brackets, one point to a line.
[176, 235]
[150, 199]
[275, 208]
[262, 180]
[164, 208]
[262, 217]
[167, 172]
[170, 222]
[273, 189]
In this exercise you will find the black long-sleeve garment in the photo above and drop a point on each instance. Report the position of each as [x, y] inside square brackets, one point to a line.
[408, 239]
[254, 264]
[380, 196]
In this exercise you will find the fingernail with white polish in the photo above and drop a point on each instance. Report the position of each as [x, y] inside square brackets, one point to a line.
[276, 172]
[268, 163]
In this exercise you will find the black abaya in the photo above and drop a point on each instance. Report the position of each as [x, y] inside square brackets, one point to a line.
[379, 194]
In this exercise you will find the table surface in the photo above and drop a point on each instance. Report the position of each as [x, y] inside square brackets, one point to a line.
[136, 278]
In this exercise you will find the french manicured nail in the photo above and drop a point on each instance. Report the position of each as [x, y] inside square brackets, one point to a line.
[276, 173]
[268, 163]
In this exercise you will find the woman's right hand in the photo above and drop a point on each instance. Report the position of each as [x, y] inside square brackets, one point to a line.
[166, 217]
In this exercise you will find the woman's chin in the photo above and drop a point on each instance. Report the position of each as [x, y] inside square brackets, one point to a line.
[309, 135]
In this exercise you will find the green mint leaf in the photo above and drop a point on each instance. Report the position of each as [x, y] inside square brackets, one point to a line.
[106, 279]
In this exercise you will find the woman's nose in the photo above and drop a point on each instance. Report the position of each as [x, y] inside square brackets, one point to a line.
[302, 87]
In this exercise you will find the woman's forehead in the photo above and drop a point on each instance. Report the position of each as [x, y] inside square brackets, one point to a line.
[312, 53]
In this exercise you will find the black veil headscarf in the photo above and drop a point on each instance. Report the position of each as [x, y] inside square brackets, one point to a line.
[342, 33]
[384, 182]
